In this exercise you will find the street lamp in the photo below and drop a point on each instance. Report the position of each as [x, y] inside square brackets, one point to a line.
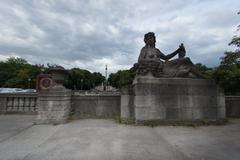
[29, 80]
[81, 84]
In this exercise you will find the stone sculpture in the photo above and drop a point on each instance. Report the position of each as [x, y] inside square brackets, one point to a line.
[169, 91]
[150, 61]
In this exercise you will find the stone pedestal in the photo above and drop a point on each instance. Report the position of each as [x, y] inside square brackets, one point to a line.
[54, 105]
[173, 99]
[127, 109]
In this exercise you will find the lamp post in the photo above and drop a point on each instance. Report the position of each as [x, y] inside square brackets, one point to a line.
[29, 80]
[81, 84]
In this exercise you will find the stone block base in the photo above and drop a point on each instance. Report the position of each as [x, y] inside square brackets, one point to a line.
[54, 106]
[172, 100]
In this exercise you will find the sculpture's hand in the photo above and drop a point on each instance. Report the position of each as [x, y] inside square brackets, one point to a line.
[182, 51]
[182, 48]
[178, 50]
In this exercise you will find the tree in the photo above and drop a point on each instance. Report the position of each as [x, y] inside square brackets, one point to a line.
[98, 78]
[202, 68]
[227, 74]
[9, 69]
[17, 72]
[236, 38]
[83, 79]
[230, 59]
[121, 78]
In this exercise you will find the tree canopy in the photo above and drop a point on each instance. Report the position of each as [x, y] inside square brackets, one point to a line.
[121, 78]
[81, 79]
[18, 73]
[227, 74]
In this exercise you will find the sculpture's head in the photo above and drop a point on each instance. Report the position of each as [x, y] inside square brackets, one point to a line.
[150, 39]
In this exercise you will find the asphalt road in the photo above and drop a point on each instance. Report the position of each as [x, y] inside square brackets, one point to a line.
[99, 139]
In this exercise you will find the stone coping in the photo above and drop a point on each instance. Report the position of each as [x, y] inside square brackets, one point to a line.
[33, 94]
[176, 80]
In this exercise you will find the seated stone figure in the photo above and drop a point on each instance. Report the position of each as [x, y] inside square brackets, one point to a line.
[149, 61]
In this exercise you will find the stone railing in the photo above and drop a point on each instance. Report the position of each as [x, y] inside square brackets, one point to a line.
[18, 102]
[232, 106]
[88, 104]
[99, 104]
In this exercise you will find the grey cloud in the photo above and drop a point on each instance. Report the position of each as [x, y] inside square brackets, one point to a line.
[89, 33]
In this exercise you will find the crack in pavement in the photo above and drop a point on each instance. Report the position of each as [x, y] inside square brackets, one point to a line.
[46, 140]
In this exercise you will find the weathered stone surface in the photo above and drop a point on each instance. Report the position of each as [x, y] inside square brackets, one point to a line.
[150, 61]
[18, 103]
[54, 105]
[233, 106]
[182, 99]
[125, 103]
[103, 106]
[221, 103]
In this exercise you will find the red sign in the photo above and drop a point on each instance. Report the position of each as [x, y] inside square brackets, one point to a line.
[44, 82]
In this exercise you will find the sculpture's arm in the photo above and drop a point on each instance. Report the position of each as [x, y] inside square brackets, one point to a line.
[167, 57]
[142, 54]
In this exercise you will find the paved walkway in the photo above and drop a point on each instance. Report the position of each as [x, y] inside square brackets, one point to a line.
[98, 139]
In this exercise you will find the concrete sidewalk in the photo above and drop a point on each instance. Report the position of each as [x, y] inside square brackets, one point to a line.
[96, 139]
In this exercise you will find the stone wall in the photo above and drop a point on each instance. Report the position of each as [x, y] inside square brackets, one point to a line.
[93, 105]
[232, 106]
[173, 99]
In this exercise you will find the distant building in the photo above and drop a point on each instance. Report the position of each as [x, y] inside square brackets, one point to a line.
[103, 87]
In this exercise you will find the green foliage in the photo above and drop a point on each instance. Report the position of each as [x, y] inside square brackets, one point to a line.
[16, 72]
[83, 80]
[235, 41]
[230, 59]
[125, 120]
[227, 75]
[121, 78]
[204, 70]
[98, 78]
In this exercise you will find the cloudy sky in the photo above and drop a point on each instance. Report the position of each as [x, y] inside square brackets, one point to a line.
[91, 33]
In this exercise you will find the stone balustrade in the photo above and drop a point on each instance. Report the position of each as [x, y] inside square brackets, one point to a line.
[18, 102]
